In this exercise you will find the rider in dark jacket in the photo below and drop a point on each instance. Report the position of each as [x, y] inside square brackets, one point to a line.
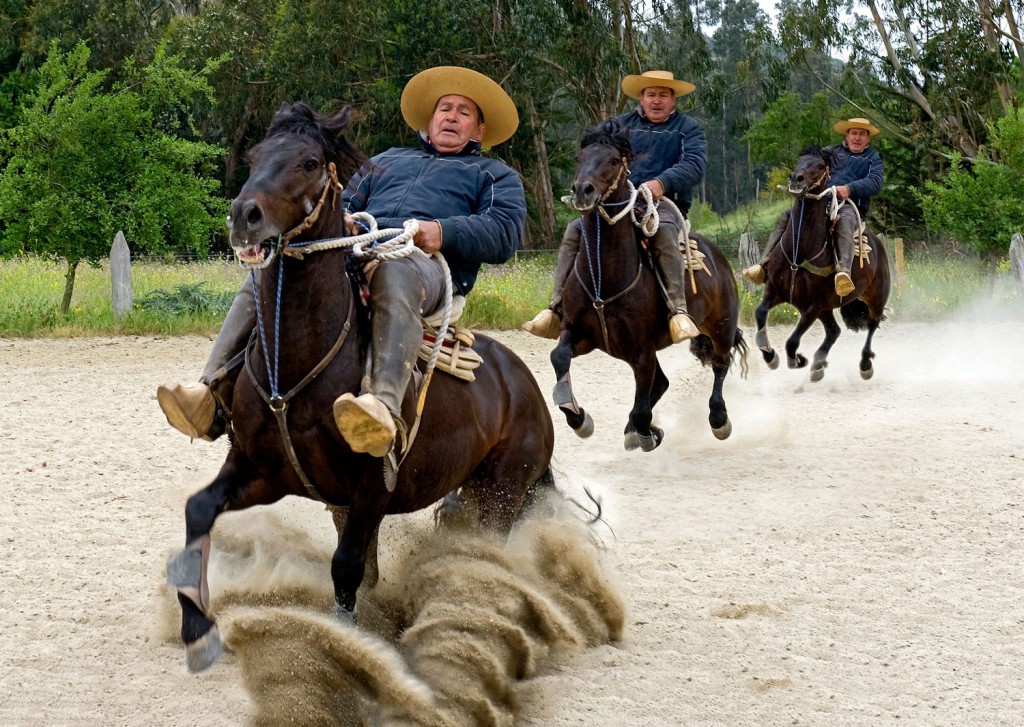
[470, 208]
[479, 202]
[857, 176]
[672, 154]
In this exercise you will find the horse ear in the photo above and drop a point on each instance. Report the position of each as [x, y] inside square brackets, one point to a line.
[338, 123]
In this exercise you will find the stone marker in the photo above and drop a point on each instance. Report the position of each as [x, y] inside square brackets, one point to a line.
[120, 276]
[1017, 257]
[749, 255]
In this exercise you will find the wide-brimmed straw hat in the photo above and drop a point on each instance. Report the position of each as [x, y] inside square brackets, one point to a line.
[633, 86]
[843, 126]
[421, 94]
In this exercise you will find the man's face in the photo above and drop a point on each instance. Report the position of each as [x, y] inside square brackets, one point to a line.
[657, 102]
[456, 120]
[857, 140]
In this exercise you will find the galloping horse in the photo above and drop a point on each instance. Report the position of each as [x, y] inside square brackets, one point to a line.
[612, 301]
[492, 437]
[800, 270]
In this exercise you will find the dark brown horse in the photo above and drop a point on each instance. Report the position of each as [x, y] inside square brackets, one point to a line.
[800, 271]
[612, 300]
[492, 437]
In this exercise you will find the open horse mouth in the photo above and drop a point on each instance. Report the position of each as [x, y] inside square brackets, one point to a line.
[255, 257]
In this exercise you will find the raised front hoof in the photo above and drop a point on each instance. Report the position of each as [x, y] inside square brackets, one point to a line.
[771, 358]
[868, 372]
[201, 653]
[798, 362]
[723, 431]
[818, 372]
[585, 429]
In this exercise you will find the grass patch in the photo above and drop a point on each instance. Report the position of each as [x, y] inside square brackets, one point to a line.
[192, 298]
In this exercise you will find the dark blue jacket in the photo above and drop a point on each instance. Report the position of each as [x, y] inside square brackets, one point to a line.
[479, 202]
[674, 152]
[862, 173]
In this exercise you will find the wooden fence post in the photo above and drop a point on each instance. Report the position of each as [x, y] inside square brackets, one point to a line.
[1017, 257]
[749, 255]
[901, 264]
[120, 276]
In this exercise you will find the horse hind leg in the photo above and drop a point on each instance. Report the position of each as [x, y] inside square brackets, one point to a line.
[639, 434]
[769, 354]
[867, 368]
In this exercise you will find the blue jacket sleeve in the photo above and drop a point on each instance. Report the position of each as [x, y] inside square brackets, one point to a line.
[870, 184]
[689, 170]
[494, 233]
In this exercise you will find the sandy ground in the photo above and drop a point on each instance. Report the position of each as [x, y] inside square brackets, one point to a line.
[852, 555]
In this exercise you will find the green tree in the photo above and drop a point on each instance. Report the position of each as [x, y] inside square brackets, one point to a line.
[981, 204]
[85, 162]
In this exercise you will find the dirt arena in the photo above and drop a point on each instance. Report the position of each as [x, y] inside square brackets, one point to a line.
[852, 555]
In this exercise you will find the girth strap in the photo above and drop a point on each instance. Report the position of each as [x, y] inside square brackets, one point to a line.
[279, 405]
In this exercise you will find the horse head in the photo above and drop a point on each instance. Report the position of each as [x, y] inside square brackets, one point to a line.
[304, 159]
[602, 164]
[811, 172]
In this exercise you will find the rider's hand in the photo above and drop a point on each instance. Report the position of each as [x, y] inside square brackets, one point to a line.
[428, 239]
[843, 191]
[657, 189]
[350, 225]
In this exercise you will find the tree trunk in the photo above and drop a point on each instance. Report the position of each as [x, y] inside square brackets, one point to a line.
[1011, 21]
[988, 25]
[542, 188]
[894, 61]
[69, 286]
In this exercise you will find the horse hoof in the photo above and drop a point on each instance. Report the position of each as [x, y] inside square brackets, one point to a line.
[723, 431]
[868, 373]
[651, 442]
[585, 429]
[797, 363]
[632, 440]
[201, 653]
[342, 615]
[817, 375]
[773, 363]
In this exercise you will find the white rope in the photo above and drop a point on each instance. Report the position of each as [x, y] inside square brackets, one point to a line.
[400, 244]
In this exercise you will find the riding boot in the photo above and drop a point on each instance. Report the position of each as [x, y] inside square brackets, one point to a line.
[548, 323]
[200, 410]
[669, 260]
[369, 422]
[755, 273]
[846, 227]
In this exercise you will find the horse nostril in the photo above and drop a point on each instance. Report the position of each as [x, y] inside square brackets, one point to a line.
[588, 188]
[253, 215]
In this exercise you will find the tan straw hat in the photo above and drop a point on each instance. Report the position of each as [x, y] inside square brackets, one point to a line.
[423, 91]
[843, 126]
[633, 86]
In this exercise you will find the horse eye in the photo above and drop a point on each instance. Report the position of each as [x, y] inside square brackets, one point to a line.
[310, 165]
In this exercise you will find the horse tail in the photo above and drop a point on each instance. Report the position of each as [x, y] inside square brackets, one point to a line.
[855, 315]
[739, 351]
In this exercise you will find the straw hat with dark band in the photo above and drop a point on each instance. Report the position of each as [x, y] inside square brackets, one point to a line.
[423, 91]
[843, 126]
[633, 86]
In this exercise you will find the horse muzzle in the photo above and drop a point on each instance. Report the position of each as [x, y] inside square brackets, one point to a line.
[252, 238]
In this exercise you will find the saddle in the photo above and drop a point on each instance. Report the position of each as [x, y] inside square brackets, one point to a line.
[456, 356]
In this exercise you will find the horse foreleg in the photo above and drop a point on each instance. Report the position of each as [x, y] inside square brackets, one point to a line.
[793, 359]
[356, 554]
[561, 358]
[867, 368]
[639, 432]
[232, 489]
[832, 331]
[770, 355]
[718, 417]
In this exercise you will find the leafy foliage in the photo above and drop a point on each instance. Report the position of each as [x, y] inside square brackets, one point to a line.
[187, 298]
[86, 161]
[981, 204]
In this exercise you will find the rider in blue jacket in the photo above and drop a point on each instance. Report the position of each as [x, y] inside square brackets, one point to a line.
[671, 155]
[470, 208]
[857, 176]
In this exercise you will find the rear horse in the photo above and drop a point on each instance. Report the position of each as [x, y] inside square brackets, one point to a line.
[493, 438]
[612, 299]
[801, 268]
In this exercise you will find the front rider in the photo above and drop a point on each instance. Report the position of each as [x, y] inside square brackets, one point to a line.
[857, 176]
[671, 155]
[471, 208]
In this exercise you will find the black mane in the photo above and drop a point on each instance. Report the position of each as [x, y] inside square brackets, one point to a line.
[609, 133]
[326, 130]
[824, 154]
